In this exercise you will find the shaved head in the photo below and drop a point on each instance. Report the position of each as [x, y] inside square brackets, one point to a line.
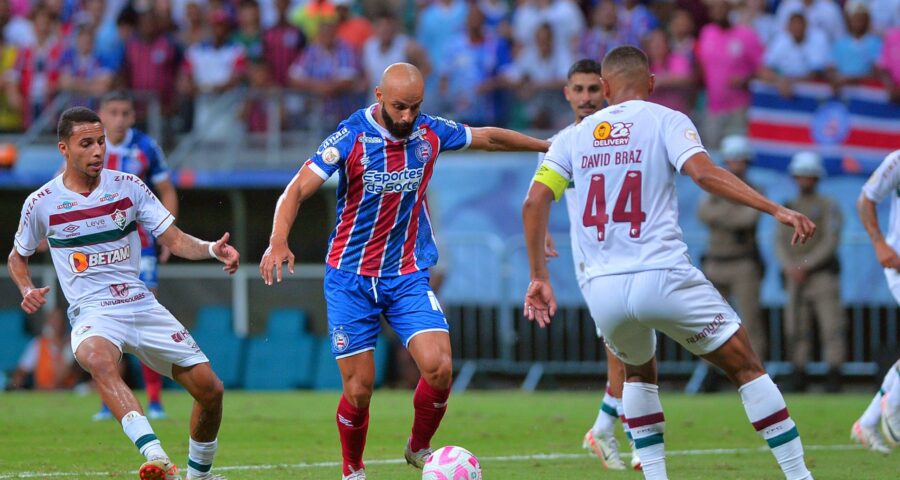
[400, 94]
[626, 74]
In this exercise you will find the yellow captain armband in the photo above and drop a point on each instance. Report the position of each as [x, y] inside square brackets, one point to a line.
[553, 180]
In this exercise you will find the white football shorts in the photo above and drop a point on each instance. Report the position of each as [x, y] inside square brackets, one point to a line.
[679, 302]
[154, 335]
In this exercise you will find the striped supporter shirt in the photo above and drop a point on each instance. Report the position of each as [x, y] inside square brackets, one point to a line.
[383, 227]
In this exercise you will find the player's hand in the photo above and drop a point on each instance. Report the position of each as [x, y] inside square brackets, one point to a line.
[274, 258]
[550, 246]
[886, 255]
[227, 254]
[164, 254]
[34, 299]
[804, 228]
[540, 303]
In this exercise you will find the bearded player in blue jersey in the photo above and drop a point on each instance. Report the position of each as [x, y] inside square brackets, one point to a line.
[382, 247]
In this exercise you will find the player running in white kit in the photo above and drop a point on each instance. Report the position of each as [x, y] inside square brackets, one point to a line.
[89, 216]
[623, 161]
[885, 406]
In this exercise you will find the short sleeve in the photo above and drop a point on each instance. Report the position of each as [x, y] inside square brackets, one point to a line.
[332, 153]
[681, 138]
[151, 213]
[32, 229]
[559, 157]
[884, 180]
[453, 135]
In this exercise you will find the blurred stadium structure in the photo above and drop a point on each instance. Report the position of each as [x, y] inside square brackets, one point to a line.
[229, 175]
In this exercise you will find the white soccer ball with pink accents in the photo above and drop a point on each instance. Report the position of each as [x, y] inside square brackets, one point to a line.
[451, 463]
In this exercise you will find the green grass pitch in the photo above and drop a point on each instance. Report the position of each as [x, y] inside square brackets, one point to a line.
[523, 436]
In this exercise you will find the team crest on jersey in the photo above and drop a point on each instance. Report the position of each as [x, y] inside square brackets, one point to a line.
[119, 219]
[119, 290]
[340, 341]
[424, 151]
[331, 155]
[612, 134]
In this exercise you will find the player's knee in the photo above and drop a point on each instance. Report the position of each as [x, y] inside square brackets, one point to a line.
[211, 397]
[440, 373]
[100, 365]
[358, 393]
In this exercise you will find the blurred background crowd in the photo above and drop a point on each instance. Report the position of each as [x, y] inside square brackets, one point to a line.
[488, 61]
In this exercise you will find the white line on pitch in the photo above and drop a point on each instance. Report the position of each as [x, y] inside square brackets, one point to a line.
[390, 461]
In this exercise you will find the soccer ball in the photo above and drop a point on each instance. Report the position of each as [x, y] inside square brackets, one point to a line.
[451, 463]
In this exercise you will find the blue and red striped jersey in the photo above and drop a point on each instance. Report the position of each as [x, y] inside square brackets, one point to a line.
[383, 228]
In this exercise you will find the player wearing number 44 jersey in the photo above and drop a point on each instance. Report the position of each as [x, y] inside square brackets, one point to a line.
[89, 216]
[623, 161]
[381, 249]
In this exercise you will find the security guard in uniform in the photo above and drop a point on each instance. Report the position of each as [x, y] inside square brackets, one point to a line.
[732, 262]
[812, 276]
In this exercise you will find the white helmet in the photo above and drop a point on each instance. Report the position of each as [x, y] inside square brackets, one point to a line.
[736, 147]
[806, 164]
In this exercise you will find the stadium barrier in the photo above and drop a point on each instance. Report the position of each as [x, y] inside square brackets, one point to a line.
[489, 335]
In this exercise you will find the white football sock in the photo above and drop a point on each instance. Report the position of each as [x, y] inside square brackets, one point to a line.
[138, 429]
[893, 377]
[200, 457]
[644, 415]
[605, 423]
[768, 413]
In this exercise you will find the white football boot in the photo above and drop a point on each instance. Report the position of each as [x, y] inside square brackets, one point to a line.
[605, 448]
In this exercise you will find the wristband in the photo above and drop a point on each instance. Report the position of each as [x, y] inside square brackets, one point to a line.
[212, 252]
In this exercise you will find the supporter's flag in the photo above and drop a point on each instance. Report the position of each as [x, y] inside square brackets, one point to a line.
[853, 129]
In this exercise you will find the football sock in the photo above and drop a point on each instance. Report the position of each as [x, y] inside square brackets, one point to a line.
[153, 382]
[872, 415]
[644, 415]
[605, 423]
[430, 405]
[893, 395]
[353, 424]
[200, 457]
[620, 410]
[138, 429]
[768, 413]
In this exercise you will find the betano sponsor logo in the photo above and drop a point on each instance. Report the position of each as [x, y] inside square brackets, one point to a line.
[406, 180]
[66, 205]
[80, 261]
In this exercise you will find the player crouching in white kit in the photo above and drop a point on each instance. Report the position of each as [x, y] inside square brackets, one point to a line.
[623, 161]
[89, 217]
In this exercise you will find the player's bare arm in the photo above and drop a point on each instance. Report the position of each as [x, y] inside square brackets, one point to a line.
[494, 139]
[165, 190]
[718, 181]
[540, 302]
[32, 297]
[192, 248]
[868, 215]
[302, 186]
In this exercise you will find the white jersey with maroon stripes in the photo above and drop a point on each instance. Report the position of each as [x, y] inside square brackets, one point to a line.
[623, 161]
[93, 239]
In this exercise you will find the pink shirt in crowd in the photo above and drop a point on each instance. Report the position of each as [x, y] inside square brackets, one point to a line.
[723, 55]
[890, 54]
[676, 64]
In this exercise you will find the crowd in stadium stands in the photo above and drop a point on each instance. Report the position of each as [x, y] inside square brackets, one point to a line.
[487, 61]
